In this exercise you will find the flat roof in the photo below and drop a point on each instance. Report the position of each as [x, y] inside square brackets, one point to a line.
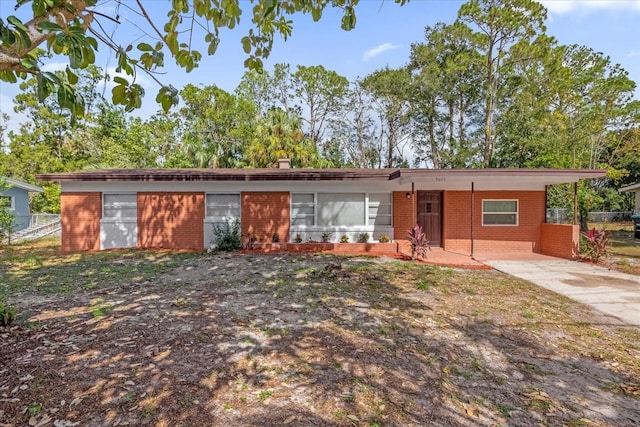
[553, 176]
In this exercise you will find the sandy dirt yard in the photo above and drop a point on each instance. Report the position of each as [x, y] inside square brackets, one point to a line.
[313, 340]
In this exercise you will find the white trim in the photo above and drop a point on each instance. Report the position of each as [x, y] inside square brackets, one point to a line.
[221, 193]
[517, 212]
[315, 227]
[118, 232]
[124, 218]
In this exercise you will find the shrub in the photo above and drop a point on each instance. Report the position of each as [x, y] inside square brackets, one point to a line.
[344, 239]
[7, 311]
[363, 237]
[227, 236]
[384, 239]
[298, 238]
[419, 242]
[275, 238]
[596, 243]
[7, 218]
[326, 237]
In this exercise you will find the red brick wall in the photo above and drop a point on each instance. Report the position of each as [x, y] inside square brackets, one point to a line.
[523, 238]
[80, 215]
[264, 214]
[560, 240]
[404, 214]
[172, 220]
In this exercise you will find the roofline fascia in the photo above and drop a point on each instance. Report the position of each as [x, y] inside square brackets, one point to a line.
[22, 185]
[628, 188]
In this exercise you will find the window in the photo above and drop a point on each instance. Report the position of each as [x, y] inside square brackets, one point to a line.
[499, 212]
[380, 209]
[119, 206]
[7, 202]
[303, 209]
[340, 209]
[223, 207]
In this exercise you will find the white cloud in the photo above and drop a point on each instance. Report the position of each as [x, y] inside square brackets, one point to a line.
[586, 6]
[372, 53]
[633, 54]
[54, 66]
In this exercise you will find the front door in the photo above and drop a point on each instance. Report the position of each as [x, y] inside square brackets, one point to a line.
[429, 215]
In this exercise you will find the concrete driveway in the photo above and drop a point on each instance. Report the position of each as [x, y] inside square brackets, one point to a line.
[613, 293]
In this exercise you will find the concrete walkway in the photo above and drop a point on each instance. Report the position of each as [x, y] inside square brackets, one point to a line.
[613, 293]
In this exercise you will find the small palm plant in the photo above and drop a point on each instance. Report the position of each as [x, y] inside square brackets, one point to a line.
[419, 242]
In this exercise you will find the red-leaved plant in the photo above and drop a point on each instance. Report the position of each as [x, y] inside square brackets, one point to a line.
[419, 242]
[596, 241]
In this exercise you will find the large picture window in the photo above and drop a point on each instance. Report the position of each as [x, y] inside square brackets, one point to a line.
[119, 206]
[499, 212]
[341, 209]
[337, 209]
[223, 207]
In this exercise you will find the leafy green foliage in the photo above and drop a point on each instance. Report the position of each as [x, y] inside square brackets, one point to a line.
[419, 242]
[68, 28]
[7, 216]
[363, 237]
[596, 243]
[7, 311]
[227, 237]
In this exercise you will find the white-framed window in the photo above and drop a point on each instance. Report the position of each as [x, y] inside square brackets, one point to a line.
[499, 212]
[222, 207]
[380, 209]
[8, 202]
[341, 209]
[303, 209]
[119, 205]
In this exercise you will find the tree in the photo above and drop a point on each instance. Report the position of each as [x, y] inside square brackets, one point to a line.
[73, 28]
[389, 89]
[279, 135]
[7, 216]
[216, 126]
[355, 132]
[322, 93]
[446, 82]
[502, 24]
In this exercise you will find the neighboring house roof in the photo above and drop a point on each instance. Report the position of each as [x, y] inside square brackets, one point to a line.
[544, 176]
[23, 185]
[634, 187]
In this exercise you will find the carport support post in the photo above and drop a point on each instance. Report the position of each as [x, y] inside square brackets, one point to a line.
[414, 204]
[472, 202]
[575, 203]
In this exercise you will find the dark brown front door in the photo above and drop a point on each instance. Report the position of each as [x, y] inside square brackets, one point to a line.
[429, 215]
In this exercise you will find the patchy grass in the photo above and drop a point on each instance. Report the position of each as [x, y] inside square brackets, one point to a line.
[160, 338]
[39, 266]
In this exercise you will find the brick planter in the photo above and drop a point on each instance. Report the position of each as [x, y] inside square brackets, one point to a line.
[391, 247]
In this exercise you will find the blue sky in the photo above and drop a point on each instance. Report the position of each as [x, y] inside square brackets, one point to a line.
[383, 36]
